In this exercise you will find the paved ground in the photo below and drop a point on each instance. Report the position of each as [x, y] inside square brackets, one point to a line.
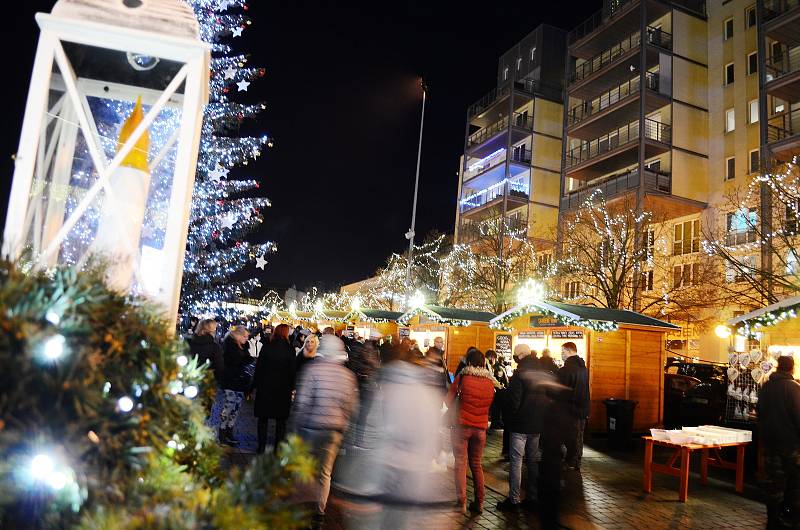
[606, 494]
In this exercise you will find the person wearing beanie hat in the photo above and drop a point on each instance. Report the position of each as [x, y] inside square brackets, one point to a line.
[327, 397]
[779, 427]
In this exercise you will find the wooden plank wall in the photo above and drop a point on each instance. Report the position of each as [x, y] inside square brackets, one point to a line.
[627, 364]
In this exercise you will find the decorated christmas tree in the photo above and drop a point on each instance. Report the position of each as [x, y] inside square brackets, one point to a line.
[225, 209]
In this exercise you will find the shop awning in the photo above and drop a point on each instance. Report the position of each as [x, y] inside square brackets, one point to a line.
[373, 315]
[769, 314]
[600, 318]
[447, 315]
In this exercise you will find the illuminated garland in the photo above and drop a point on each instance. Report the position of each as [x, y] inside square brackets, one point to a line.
[358, 316]
[406, 318]
[594, 325]
[752, 327]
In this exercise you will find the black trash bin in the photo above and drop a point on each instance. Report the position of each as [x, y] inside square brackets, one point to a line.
[619, 422]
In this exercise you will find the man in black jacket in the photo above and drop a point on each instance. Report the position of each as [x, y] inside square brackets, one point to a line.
[527, 402]
[779, 426]
[575, 376]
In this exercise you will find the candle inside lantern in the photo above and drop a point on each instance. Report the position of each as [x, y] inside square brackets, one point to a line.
[122, 214]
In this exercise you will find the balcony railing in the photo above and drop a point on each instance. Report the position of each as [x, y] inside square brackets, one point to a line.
[617, 185]
[521, 119]
[515, 191]
[617, 94]
[655, 36]
[787, 62]
[472, 231]
[476, 168]
[527, 86]
[740, 237]
[783, 126]
[607, 13]
[775, 8]
[653, 130]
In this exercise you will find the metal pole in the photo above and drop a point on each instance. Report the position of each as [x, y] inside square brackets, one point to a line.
[410, 233]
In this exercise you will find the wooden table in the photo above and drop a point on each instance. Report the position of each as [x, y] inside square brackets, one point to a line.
[682, 472]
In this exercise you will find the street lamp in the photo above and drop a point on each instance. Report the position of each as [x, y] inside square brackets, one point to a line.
[410, 233]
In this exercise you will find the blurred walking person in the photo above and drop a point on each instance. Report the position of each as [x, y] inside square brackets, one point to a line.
[575, 376]
[472, 393]
[527, 404]
[274, 382]
[326, 400]
[236, 380]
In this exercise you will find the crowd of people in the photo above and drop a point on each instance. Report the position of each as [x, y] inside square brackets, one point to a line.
[387, 407]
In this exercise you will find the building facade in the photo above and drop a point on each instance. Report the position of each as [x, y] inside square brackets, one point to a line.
[671, 107]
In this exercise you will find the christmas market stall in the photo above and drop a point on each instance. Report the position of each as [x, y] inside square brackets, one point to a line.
[757, 339]
[373, 322]
[624, 351]
[460, 329]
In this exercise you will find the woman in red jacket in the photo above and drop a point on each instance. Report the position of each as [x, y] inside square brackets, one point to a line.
[473, 390]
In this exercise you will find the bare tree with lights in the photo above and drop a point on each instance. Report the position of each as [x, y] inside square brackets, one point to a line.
[483, 272]
[602, 264]
[758, 249]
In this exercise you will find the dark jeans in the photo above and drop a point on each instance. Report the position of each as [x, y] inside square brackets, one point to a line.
[782, 486]
[263, 433]
[575, 449]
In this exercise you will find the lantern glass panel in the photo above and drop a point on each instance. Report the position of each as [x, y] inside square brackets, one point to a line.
[89, 200]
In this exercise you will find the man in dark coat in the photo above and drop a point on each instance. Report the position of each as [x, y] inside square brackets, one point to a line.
[526, 405]
[274, 383]
[779, 426]
[575, 376]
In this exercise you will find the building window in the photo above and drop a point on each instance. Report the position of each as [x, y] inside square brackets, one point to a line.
[519, 63]
[728, 77]
[746, 266]
[685, 275]
[752, 63]
[790, 218]
[730, 168]
[573, 290]
[777, 51]
[647, 281]
[505, 73]
[754, 162]
[741, 227]
[730, 120]
[750, 17]
[686, 238]
[792, 263]
[543, 262]
[753, 110]
[649, 241]
[779, 107]
[727, 30]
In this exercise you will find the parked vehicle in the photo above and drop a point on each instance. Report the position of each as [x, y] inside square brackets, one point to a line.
[694, 393]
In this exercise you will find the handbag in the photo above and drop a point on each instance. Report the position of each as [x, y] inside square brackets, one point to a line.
[452, 411]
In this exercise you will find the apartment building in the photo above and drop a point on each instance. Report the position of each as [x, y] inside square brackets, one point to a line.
[671, 107]
[512, 148]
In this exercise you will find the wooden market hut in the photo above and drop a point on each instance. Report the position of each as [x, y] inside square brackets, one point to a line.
[624, 351]
[776, 326]
[333, 318]
[460, 329]
[364, 321]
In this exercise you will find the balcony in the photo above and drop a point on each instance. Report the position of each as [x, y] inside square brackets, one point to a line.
[523, 87]
[473, 231]
[622, 141]
[517, 193]
[522, 124]
[617, 186]
[781, 20]
[613, 108]
[783, 135]
[612, 66]
[740, 237]
[783, 75]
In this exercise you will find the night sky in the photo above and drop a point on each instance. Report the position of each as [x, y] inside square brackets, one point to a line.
[343, 104]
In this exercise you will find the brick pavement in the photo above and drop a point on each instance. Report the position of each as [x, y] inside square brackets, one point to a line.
[606, 494]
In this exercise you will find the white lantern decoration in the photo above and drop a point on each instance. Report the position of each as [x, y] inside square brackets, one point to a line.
[108, 150]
